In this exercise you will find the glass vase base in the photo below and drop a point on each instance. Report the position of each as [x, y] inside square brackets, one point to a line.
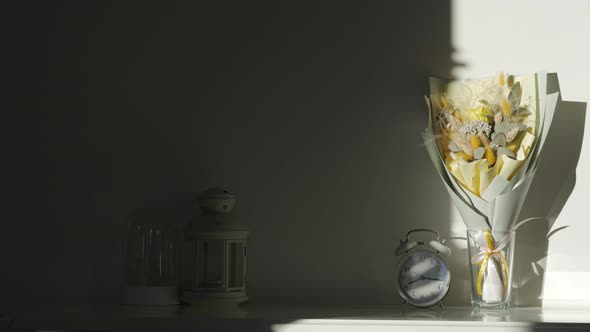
[478, 304]
[491, 266]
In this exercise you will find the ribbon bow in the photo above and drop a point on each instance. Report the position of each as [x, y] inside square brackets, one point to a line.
[490, 249]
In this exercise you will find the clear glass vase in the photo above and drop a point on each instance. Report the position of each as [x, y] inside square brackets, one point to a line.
[490, 262]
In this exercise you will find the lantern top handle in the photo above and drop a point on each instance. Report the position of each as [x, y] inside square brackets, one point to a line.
[216, 201]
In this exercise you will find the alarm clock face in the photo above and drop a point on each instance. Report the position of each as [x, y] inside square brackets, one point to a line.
[423, 278]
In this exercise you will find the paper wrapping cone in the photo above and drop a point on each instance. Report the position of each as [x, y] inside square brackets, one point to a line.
[499, 206]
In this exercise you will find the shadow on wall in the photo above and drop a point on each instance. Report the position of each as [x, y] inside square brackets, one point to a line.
[335, 157]
[310, 111]
[554, 182]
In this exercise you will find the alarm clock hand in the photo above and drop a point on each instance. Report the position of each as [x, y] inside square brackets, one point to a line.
[423, 278]
[418, 279]
[413, 281]
[437, 279]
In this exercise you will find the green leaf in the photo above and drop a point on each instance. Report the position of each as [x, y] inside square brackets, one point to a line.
[484, 102]
[521, 111]
[499, 139]
[454, 147]
[503, 150]
[502, 127]
[478, 153]
[510, 81]
[515, 95]
[495, 108]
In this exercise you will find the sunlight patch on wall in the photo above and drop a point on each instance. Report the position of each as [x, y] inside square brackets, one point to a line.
[521, 37]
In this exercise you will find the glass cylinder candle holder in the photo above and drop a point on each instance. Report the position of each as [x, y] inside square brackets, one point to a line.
[152, 251]
[490, 262]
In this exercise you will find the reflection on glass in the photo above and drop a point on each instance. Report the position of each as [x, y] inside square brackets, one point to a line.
[151, 255]
[211, 260]
[235, 265]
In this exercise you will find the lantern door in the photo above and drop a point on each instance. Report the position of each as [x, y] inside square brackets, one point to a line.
[236, 265]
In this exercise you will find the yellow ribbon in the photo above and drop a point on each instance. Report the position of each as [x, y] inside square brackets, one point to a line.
[493, 250]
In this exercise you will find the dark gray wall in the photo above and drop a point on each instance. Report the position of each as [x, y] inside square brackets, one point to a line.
[310, 111]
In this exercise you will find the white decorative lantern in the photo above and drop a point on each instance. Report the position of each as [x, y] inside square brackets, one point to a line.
[215, 252]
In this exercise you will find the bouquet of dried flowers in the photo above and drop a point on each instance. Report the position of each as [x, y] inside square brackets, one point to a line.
[484, 137]
[484, 129]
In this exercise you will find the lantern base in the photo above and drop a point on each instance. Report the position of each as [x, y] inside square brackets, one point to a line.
[151, 295]
[222, 298]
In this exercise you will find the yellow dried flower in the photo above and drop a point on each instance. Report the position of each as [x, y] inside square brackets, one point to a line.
[457, 115]
[443, 102]
[501, 79]
[464, 155]
[506, 107]
[479, 113]
[516, 142]
[490, 156]
[474, 142]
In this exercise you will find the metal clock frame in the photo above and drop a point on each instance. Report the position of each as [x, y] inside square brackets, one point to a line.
[407, 257]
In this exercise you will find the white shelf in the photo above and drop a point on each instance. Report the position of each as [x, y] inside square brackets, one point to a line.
[298, 319]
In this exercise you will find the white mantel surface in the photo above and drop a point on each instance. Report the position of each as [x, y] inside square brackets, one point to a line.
[290, 318]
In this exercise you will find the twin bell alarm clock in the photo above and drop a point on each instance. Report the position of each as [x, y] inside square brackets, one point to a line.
[422, 277]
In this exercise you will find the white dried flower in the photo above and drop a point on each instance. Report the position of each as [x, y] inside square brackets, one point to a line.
[498, 117]
[476, 127]
[511, 135]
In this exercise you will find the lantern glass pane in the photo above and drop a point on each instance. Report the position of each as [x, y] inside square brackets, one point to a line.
[235, 265]
[211, 258]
